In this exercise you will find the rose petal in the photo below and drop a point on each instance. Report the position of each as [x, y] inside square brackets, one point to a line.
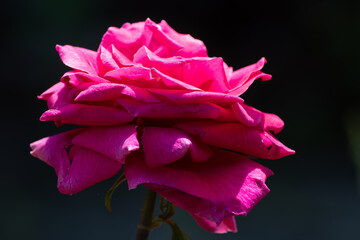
[237, 137]
[114, 142]
[101, 92]
[199, 151]
[49, 149]
[55, 88]
[76, 168]
[56, 96]
[227, 184]
[163, 145]
[200, 72]
[227, 225]
[172, 83]
[134, 75]
[228, 71]
[78, 58]
[87, 168]
[156, 40]
[186, 96]
[106, 62]
[127, 39]
[120, 58]
[112, 91]
[87, 115]
[255, 118]
[173, 110]
[166, 145]
[276, 147]
[191, 47]
[75, 78]
[241, 79]
[141, 94]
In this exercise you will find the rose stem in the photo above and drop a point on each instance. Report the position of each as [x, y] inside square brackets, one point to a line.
[144, 226]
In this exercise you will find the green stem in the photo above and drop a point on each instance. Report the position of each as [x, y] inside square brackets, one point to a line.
[144, 226]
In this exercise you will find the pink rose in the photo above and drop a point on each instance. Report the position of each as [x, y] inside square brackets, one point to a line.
[152, 100]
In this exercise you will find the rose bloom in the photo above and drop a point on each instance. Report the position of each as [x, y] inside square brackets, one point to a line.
[151, 100]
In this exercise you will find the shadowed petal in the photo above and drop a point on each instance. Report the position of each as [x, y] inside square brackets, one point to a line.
[87, 168]
[74, 78]
[87, 115]
[114, 142]
[112, 91]
[227, 184]
[227, 225]
[77, 168]
[165, 145]
[186, 96]
[237, 137]
[49, 149]
[173, 110]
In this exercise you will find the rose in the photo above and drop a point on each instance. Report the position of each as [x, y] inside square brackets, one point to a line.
[152, 100]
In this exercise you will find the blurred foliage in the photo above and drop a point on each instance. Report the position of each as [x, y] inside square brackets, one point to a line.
[352, 126]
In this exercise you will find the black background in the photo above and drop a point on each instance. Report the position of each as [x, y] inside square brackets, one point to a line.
[312, 48]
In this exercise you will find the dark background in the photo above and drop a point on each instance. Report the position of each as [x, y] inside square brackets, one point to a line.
[312, 48]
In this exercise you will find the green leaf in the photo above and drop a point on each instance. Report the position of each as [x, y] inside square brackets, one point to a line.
[177, 233]
[109, 193]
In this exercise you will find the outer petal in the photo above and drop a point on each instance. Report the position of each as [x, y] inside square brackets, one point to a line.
[166, 145]
[49, 149]
[255, 118]
[87, 168]
[237, 137]
[114, 142]
[56, 96]
[241, 79]
[87, 115]
[227, 184]
[76, 168]
[55, 88]
[227, 225]
[78, 58]
[64, 95]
